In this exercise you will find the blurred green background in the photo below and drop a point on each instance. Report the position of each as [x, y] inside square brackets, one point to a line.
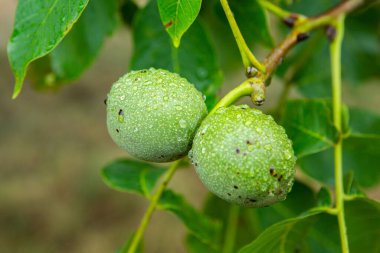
[52, 147]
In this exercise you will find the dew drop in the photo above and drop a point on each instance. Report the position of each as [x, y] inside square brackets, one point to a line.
[182, 123]
[248, 123]
[268, 147]
[287, 155]
[178, 107]
[120, 116]
[122, 97]
[203, 150]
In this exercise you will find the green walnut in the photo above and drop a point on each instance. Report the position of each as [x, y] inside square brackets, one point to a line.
[244, 157]
[153, 114]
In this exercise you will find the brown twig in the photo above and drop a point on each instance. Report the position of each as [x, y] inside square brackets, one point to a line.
[300, 31]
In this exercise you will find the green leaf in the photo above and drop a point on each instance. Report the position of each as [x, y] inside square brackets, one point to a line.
[317, 231]
[324, 197]
[219, 210]
[131, 176]
[309, 125]
[38, 28]
[198, 224]
[302, 67]
[194, 245]
[252, 221]
[360, 155]
[177, 16]
[81, 46]
[361, 46]
[288, 208]
[194, 60]
[364, 123]
[350, 185]
[361, 152]
[286, 236]
[362, 220]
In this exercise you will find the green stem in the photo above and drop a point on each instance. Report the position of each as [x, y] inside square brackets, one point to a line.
[244, 89]
[230, 236]
[249, 60]
[152, 206]
[175, 60]
[275, 9]
[335, 54]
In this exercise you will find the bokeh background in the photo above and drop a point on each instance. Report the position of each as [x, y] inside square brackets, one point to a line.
[53, 145]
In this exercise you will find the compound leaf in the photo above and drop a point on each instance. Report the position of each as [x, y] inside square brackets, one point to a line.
[197, 223]
[81, 46]
[316, 231]
[309, 125]
[361, 152]
[251, 222]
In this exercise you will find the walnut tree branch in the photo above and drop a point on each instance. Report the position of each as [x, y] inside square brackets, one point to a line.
[300, 33]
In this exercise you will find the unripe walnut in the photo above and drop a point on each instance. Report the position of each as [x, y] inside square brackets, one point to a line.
[153, 114]
[244, 157]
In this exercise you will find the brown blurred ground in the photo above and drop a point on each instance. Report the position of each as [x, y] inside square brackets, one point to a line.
[52, 146]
